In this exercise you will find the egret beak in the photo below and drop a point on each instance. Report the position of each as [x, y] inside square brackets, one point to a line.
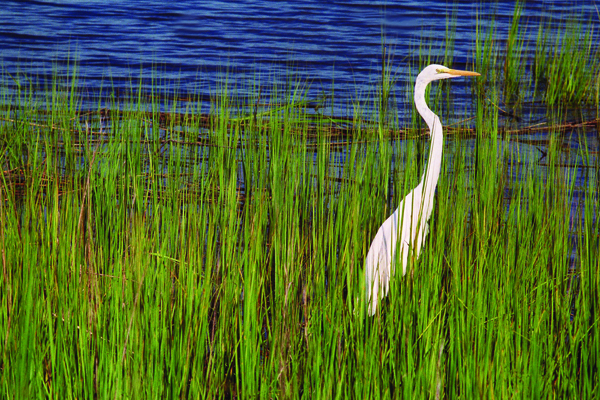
[458, 72]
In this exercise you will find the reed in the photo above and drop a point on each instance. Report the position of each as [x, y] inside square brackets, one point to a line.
[150, 248]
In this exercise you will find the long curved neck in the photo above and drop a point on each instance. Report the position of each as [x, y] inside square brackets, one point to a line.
[434, 163]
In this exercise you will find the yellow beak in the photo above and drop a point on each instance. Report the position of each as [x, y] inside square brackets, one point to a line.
[461, 73]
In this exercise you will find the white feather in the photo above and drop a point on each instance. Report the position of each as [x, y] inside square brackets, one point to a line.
[406, 229]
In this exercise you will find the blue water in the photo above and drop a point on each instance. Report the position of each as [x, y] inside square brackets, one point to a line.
[193, 43]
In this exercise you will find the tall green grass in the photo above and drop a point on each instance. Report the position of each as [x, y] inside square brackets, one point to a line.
[222, 256]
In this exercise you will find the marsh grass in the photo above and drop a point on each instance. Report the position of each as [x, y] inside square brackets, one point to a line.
[220, 254]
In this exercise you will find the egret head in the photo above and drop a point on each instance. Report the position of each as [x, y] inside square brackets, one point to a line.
[435, 72]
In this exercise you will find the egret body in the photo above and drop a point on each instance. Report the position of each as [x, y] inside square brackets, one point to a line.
[405, 230]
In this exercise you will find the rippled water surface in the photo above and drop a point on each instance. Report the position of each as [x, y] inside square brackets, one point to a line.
[194, 42]
[191, 45]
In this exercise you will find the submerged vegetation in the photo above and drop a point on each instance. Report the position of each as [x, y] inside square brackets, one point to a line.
[151, 249]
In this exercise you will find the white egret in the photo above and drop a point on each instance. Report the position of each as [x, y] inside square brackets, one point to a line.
[407, 227]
